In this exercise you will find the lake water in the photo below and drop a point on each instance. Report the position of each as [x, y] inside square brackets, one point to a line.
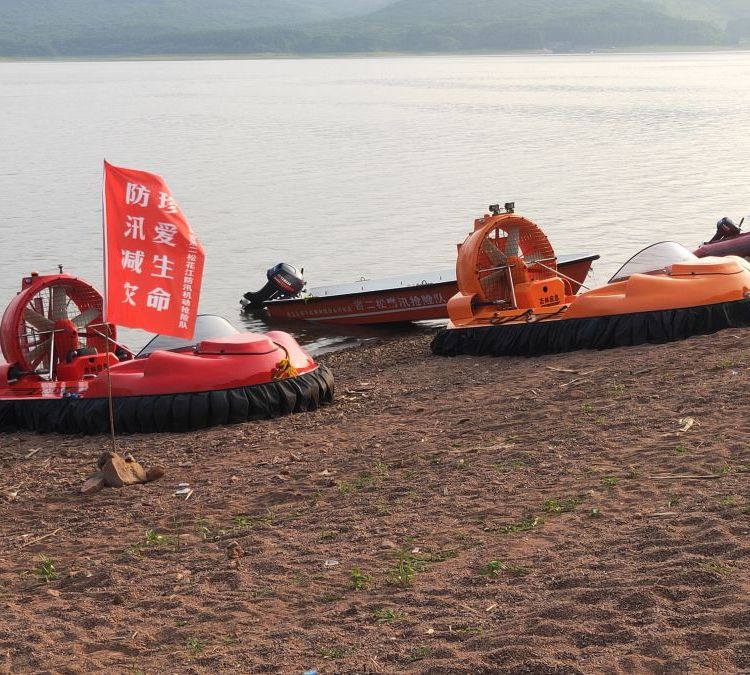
[369, 167]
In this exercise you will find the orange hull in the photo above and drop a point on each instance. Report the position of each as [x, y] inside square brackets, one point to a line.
[706, 281]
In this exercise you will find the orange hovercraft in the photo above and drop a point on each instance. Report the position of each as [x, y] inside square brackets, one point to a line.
[513, 301]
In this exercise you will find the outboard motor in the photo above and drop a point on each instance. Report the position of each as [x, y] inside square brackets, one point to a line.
[284, 281]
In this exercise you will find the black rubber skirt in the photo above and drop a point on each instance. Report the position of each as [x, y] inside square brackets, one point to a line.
[604, 332]
[171, 412]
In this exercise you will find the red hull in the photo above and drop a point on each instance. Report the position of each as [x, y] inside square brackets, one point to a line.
[421, 302]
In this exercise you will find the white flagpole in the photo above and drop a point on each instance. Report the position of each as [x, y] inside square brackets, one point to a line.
[104, 307]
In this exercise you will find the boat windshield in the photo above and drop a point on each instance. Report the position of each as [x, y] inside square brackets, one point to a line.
[207, 326]
[654, 259]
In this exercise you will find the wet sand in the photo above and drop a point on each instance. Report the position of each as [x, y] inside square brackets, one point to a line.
[462, 515]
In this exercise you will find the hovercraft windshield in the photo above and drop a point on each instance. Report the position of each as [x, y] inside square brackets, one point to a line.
[207, 326]
[655, 259]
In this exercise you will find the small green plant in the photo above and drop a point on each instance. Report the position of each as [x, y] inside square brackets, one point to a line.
[717, 567]
[514, 465]
[419, 654]
[45, 569]
[680, 449]
[380, 469]
[179, 623]
[587, 408]
[602, 419]
[406, 568]
[153, 538]
[263, 522]
[729, 500]
[633, 472]
[332, 652]
[617, 387]
[328, 598]
[674, 500]
[528, 523]
[610, 481]
[359, 579]
[195, 645]
[564, 506]
[208, 529]
[327, 535]
[386, 615]
[495, 568]
[595, 513]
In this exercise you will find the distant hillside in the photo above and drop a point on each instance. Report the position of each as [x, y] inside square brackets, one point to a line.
[56, 26]
[195, 27]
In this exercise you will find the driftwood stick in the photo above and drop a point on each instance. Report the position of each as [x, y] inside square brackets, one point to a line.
[42, 538]
[687, 477]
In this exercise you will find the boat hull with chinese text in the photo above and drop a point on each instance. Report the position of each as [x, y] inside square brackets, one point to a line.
[394, 300]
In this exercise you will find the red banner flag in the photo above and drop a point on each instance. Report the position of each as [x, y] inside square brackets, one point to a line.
[153, 264]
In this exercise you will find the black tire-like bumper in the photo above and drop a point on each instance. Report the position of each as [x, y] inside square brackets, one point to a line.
[170, 412]
[602, 332]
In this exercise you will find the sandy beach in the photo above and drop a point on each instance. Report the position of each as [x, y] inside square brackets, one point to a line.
[586, 512]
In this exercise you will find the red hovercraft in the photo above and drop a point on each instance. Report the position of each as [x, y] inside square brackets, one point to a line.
[58, 352]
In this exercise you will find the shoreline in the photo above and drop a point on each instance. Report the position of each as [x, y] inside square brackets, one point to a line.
[654, 50]
[466, 515]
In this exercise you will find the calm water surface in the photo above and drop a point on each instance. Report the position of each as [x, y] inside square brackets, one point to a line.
[370, 167]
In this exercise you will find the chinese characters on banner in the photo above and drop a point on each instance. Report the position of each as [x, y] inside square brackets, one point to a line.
[153, 264]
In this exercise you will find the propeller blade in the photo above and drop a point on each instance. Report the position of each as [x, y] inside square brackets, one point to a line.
[59, 303]
[40, 353]
[493, 254]
[511, 242]
[41, 323]
[85, 318]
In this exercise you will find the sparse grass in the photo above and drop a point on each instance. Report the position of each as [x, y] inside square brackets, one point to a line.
[405, 569]
[587, 408]
[419, 654]
[328, 598]
[564, 506]
[440, 556]
[674, 500]
[195, 645]
[327, 535]
[729, 500]
[601, 419]
[380, 469]
[263, 522]
[617, 387]
[347, 487]
[495, 568]
[208, 529]
[154, 539]
[386, 615]
[633, 472]
[507, 467]
[179, 623]
[680, 449]
[45, 569]
[717, 566]
[528, 523]
[359, 579]
[610, 481]
[332, 652]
